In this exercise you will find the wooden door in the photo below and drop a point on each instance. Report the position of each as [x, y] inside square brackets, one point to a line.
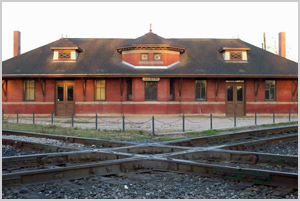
[235, 99]
[65, 101]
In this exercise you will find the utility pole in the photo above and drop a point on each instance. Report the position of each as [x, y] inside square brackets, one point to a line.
[265, 44]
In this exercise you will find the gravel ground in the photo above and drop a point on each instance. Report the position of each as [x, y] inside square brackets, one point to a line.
[44, 141]
[285, 148]
[147, 186]
[8, 151]
[163, 124]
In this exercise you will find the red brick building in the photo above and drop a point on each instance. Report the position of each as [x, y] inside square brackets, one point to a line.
[149, 75]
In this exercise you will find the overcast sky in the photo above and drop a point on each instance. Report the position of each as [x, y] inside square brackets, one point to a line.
[42, 23]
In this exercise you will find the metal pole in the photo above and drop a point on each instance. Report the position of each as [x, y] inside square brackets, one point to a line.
[72, 120]
[273, 116]
[96, 122]
[211, 124]
[234, 119]
[289, 114]
[17, 116]
[51, 117]
[153, 133]
[183, 126]
[33, 118]
[255, 118]
[123, 123]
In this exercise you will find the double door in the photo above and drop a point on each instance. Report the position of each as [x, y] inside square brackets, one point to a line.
[64, 101]
[235, 98]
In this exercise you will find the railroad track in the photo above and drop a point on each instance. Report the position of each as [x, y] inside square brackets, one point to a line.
[224, 156]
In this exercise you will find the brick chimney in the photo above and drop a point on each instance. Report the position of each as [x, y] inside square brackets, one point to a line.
[282, 44]
[17, 43]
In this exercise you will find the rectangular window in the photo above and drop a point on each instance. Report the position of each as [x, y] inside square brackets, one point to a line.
[172, 89]
[100, 90]
[200, 89]
[270, 93]
[144, 57]
[150, 91]
[29, 90]
[129, 89]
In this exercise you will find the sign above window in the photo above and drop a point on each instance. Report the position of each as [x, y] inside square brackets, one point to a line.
[151, 79]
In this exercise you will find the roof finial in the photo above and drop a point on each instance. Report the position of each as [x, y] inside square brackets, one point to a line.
[150, 27]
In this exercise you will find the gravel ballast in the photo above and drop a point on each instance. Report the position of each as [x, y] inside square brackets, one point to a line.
[148, 186]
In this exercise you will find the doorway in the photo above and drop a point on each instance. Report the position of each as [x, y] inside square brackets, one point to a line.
[64, 98]
[235, 98]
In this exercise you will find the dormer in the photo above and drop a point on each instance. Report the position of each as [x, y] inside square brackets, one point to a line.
[150, 52]
[235, 51]
[65, 51]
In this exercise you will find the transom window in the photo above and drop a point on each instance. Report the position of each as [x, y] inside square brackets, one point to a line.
[100, 90]
[236, 56]
[200, 89]
[144, 57]
[157, 57]
[270, 90]
[150, 91]
[29, 90]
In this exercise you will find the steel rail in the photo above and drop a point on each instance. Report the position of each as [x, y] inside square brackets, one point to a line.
[203, 141]
[37, 146]
[260, 143]
[126, 165]
[59, 159]
[99, 143]
[238, 157]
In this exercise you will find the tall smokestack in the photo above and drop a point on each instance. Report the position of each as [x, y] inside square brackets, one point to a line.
[282, 44]
[17, 43]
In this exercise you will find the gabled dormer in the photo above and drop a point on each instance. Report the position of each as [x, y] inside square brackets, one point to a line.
[235, 51]
[150, 51]
[65, 51]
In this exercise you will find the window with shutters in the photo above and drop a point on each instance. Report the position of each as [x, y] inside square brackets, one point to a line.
[100, 90]
[29, 90]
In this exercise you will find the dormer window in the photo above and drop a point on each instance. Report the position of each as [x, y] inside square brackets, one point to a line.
[144, 57]
[65, 50]
[65, 55]
[234, 54]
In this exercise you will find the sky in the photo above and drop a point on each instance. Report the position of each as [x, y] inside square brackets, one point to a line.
[41, 23]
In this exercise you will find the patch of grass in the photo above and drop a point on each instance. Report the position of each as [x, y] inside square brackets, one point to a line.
[128, 135]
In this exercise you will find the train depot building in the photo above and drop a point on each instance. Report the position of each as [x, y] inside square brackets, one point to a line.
[149, 75]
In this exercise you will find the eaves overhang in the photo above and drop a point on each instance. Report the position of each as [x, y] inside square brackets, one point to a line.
[147, 74]
[151, 47]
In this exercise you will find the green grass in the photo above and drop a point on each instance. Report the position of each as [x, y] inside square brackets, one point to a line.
[123, 136]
